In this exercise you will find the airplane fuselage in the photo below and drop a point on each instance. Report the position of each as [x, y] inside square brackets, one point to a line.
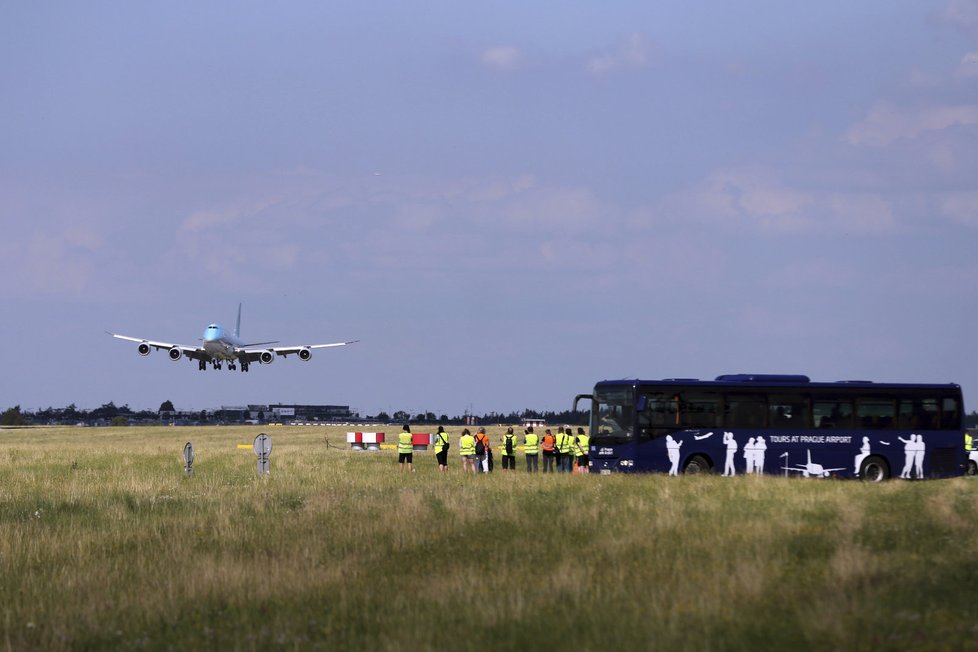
[219, 344]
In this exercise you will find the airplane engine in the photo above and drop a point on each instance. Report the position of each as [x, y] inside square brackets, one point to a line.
[266, 357]
[175, 354]
[143, 349]
[304, 354]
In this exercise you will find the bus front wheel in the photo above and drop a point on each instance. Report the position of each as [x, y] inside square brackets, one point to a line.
[874, 469]
[697, 464]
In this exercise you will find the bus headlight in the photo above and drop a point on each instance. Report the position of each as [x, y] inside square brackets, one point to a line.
[626, 463]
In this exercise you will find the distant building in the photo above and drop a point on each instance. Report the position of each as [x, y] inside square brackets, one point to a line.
[534, 422]
[282, 412]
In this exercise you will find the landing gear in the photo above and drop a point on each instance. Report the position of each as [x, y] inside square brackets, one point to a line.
[231, 366]
[244, 366]
[202, 364]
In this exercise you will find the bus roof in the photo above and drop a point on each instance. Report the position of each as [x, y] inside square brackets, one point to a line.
[774, 380]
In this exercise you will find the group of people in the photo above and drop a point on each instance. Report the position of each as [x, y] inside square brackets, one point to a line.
[564, 452]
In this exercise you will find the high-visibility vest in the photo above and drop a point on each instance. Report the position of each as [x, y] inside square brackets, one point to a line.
[441, 441]
[405, 443]
[466, 445]
[530, 443]
[509, 438]
[548, 443]
[563, 442]
[967, 441]
[580, 448]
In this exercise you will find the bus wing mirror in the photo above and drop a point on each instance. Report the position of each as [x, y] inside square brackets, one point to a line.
[578, 398]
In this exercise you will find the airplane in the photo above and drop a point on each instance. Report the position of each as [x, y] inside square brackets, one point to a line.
[219, 346]
[812, 469]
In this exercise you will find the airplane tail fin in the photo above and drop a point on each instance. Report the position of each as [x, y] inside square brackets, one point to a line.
[237, 324]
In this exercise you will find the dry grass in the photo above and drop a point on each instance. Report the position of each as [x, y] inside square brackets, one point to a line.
[106, 544]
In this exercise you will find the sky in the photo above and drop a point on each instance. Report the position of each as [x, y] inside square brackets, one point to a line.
[504, 203]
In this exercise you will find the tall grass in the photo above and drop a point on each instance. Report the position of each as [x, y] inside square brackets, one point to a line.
[107, 544]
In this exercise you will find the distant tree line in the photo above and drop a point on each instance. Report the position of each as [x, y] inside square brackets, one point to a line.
[568, 417]
[111, 414]
[107, 413]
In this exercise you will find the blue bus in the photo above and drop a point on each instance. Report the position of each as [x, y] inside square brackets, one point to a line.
[778, 425]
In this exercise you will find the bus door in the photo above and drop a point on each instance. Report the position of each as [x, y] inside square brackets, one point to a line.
[613, 429]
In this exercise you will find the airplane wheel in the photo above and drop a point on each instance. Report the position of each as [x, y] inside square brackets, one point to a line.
[697, 464]
[874, 469]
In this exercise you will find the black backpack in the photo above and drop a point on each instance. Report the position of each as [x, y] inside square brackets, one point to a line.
[480, 448]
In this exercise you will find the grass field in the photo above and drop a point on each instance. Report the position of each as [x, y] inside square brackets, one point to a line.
[106, 544]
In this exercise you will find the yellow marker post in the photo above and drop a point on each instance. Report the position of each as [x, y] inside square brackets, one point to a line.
[246, 447]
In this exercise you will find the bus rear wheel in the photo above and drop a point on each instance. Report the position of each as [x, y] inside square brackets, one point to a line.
[698, 464]
[972, 468]
[874, 469]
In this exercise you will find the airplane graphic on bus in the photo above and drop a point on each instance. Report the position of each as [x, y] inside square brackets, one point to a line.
[810, 469]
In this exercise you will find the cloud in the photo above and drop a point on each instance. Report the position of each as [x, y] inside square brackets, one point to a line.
[502, 59]
[63, 263]
[760, 201]
[886, 123]
[960, 207]
[859, 213]
[968, 66]
[741, 197]
[634, 51]
[962, 14]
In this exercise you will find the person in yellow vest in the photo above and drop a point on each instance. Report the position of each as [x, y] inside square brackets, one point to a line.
[581, 451]
[531, 446]
[559, 449]
[967, 441]
[441, 449]
[466, 445]
[405, 449]
[509, 450]
[566, 446]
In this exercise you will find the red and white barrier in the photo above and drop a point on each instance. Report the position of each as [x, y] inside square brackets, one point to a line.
[420, 441]
[370, 441]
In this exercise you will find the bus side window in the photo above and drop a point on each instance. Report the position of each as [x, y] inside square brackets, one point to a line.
[658, 416]
[699, 410]
[875, 413]
[745, 411]
[788, 412]
[919, 414]
[950, 414]
[832, 414]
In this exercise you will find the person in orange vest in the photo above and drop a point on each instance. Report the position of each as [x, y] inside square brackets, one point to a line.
[548, 446]
[483, 452]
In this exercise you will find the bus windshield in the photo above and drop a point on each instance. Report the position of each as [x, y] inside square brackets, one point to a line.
[612, 413]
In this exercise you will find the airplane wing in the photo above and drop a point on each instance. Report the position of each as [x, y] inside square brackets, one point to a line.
[265, 356]
[192, 352]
